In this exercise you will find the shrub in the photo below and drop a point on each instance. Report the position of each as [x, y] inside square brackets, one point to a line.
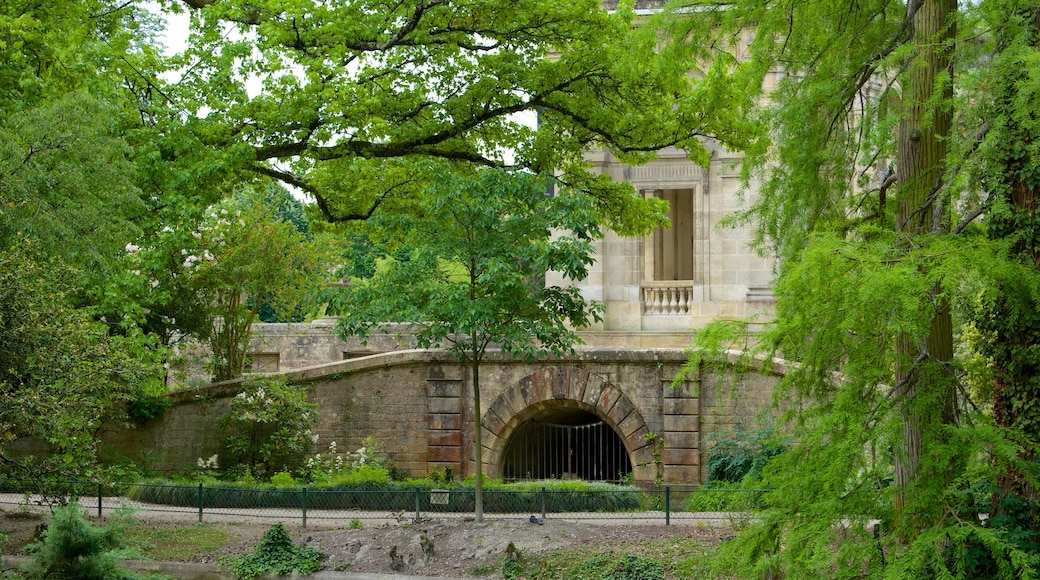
[623, 567]
[72, 547]
[283, 479]
[727, 496]
[277, 554]
[267, 424]
[370, 488]
[741, 453]
[148, 407]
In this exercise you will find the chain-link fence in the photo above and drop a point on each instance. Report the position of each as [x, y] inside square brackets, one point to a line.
[334, 507]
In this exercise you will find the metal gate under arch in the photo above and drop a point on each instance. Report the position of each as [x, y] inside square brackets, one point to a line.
[541, 450]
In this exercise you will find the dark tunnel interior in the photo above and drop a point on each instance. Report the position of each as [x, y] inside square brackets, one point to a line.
[566, 443]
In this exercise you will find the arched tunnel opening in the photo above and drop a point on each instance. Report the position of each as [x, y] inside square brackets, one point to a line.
[565, 443]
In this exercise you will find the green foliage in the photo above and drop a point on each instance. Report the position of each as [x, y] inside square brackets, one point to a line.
[209, 275]
[478, 247]
[741, 453]
[745, 495]
[62, 373]
[268, 424]
[283, 479]
[276, 554]
[148, 407]
[452, 81]
[496, 231]
[868, 270]
[617, 567]
[367, 463]
[370, 488]
[72, 547]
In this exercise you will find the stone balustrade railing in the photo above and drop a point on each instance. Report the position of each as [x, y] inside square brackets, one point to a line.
[667, 298]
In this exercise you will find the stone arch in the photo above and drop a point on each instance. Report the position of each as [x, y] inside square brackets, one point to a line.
[566, 386]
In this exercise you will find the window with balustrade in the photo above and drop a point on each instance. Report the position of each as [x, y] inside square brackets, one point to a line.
[671, 260]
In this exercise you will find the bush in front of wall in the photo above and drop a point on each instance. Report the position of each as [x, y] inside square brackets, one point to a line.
[379, 492]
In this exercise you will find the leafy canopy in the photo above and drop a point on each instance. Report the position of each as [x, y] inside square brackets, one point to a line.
[355, 97]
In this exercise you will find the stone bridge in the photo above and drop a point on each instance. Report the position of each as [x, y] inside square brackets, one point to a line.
[417, 404]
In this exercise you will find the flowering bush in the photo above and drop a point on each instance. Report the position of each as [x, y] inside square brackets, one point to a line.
[334, 465]
[268, 424]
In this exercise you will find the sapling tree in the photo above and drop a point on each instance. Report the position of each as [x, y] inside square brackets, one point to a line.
[472, 276]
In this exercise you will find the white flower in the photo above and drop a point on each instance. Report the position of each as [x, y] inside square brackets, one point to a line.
[154, 283]
[131, 248]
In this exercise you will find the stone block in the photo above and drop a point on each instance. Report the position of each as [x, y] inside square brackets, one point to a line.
[630, 425]
[445, 421]
[441, 438]
[690, 474]
[444, 404]
[622, 409]
[579, 378]
[593, 389]
[682, 439]
[608, 398]
[681, 422]
[492, 422]
[446, 454]
[681, 407]
[444, 388]
[561, 382]
[514, 400]
[681, 457]
[542, 386]
[637, 439]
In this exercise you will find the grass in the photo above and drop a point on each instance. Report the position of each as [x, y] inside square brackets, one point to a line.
[679, 558]
[178, 544]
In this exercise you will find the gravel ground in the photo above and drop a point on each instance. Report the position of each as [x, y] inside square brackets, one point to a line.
[396, 543]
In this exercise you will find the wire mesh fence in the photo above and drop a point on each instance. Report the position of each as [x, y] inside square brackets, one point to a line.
[665, 505]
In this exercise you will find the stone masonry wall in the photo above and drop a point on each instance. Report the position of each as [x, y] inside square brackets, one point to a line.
[417, 405]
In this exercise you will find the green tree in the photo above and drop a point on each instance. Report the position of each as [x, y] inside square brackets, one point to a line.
[472, 278]
[208, 279]
[62, 374]
[884, 156]
[356, 96]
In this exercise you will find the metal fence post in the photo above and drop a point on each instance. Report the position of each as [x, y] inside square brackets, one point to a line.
[303, 502]
[667, 505]
[417, 505]
[99, 500]
[543, 503]
[200, 502]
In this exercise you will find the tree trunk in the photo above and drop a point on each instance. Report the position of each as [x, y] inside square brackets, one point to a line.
[925, 395]
[478, 452]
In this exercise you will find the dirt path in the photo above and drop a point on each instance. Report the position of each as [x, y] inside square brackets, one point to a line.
[383, 542]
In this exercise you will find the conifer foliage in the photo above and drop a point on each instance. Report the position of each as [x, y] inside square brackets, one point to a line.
[898, 198]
